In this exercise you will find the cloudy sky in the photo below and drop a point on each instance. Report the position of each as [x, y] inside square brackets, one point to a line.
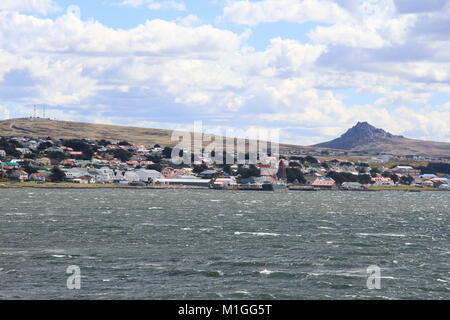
[312, 68]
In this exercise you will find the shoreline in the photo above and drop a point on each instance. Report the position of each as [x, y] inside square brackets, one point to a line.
[180, 187]
[105, 187]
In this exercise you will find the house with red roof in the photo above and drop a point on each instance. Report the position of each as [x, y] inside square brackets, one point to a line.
[428, 183]
[223, 183]
[439, 181]
[132, 163]
[382, 181]
[20, 175]
[324, 183]
[67, 162]
[39, 177]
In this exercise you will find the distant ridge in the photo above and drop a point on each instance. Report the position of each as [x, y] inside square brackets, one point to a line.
[364, 137]
[38, 127]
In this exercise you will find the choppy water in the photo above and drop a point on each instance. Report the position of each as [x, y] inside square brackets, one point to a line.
[159, 244]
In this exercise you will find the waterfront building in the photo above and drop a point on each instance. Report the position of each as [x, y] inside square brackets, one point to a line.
[351, 185]
[428, 183]
[406, 171]
[39, 177]
[381, 181]
[20, 175]
[324, 183]
[439, 181]
[186, 182]
[223, 183]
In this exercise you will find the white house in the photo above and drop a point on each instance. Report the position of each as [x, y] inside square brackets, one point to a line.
[102, 175]
[142, 175]
[23, 150]
[75, 173]
[148, 175]
[33, 145]
[84, 180]
[131, 176]
[39, 177]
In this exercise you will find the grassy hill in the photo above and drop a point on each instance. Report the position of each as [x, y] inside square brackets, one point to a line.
[405, 146]
[37, 127]
[380, 141]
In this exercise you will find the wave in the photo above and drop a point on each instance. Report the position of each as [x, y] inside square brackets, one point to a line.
[268, 272]
[260, 234]
[241, 293]
[192, 272]
[381, 235]
[266, 234]
[279, 274]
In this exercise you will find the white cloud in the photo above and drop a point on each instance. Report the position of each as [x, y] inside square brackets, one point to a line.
[188, 21]
[408, 6]
[430, 122]
[4, 112]
[68, 34]
[373, 24]
[299, 11]
[282, 58]
[154, 4]
[403, 97]
[39, 6]
[74, 59]
[182, 70]
[348, 35]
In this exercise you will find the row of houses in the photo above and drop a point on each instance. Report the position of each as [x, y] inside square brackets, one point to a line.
[329, 183]
[113, 176]
[105, 167]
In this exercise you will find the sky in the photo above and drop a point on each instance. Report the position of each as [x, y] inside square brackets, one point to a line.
[310, 68]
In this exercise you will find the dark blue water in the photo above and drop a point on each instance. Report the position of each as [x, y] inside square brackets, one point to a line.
[188, 244]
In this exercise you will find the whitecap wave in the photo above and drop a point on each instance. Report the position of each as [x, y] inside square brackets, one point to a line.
[260, 234]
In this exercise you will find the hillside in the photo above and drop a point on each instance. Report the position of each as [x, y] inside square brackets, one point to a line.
[37, 127]
[364, 137]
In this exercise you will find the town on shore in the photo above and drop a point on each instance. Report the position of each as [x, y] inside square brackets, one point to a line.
[41, 162]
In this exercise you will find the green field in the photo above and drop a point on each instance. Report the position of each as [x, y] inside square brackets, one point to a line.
[403, 188]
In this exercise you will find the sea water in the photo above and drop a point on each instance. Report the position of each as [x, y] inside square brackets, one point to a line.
[208, 244]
